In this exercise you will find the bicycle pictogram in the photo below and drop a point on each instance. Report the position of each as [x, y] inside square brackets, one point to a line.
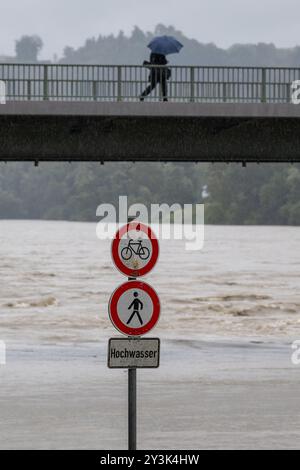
[135, 247]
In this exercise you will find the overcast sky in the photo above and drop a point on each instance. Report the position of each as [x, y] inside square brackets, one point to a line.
[70, 22]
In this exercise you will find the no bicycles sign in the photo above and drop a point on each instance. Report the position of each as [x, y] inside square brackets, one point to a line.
[135, 249]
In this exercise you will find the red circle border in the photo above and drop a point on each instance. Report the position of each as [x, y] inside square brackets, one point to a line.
[113, 313]
[115, 250]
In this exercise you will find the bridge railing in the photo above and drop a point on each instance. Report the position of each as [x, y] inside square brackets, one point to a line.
[64, 82]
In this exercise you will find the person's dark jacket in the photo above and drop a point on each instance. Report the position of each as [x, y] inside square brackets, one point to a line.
[158, 59]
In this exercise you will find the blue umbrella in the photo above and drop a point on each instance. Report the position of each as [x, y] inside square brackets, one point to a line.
[165, 45]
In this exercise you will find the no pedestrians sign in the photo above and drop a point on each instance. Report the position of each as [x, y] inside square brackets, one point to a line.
[134, 308]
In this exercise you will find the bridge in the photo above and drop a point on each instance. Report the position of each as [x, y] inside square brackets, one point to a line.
[93, 113]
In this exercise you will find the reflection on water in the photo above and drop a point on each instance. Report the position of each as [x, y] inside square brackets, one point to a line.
[57, 277]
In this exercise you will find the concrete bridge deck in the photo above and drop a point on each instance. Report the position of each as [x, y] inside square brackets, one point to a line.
[149, 109]
[149, 131]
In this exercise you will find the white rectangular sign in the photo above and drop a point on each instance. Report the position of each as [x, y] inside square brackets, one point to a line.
[133, 353]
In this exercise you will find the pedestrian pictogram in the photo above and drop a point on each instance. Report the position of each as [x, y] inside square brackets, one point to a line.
[136, 304]
[134, 308]
[135, 249]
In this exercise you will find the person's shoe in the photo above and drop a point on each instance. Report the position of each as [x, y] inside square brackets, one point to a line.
[166, 99]
[141, 98]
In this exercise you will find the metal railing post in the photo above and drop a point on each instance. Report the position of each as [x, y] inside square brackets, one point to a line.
[119, 93]
[94, 90]
[288, 93]
[46, 91]
[160, 72]
[224, 92]
[28, 90]
[263, 98]
[192, 72]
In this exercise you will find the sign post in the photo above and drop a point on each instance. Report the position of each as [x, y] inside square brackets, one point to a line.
[134, 309]
[132, 409]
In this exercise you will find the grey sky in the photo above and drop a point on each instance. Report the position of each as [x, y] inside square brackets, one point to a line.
[70, 22]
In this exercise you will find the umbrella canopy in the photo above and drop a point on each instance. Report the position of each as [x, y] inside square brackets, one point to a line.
[165, 45]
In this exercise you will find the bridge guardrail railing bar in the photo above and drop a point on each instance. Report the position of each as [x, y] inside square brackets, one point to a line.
[75, 82]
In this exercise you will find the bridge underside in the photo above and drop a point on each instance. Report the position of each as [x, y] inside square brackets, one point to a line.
[64, 131]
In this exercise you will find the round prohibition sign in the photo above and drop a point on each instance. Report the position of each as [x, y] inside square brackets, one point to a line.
[135, 249]
[134, 308]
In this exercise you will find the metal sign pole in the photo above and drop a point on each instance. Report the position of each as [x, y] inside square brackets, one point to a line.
[134, 259]
[131, 394]
[131, 409]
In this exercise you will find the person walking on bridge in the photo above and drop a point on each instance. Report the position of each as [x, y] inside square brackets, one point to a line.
[157, 75]
[160, 46]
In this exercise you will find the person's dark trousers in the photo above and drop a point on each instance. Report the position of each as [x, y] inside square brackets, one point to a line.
[157, 76]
